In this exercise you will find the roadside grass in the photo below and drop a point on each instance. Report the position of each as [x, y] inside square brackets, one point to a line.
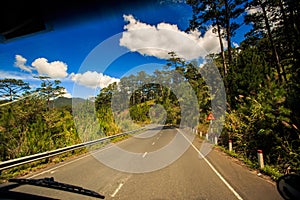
[268, 170]
[26, 169]
[272, 172]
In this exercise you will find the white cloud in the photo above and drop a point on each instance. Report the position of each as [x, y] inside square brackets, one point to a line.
[66, 94]
[163, 38]
[20, 63]
[253, 10]
[236, 45]
[93, 79]
[15, 75]
[56, 69]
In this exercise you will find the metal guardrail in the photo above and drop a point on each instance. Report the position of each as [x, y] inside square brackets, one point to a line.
[27, 159]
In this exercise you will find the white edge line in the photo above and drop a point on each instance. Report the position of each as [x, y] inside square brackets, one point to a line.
[145, 154]
[214, 169]
[117, 190]
[67, 163]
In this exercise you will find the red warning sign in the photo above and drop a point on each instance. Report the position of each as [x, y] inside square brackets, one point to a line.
[210, 117]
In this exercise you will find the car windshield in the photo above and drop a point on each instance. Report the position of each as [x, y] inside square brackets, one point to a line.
[160, 99]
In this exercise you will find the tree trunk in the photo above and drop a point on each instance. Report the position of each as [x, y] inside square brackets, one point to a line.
[274, 50]
[10, 95]
[287, 32]
[228, 31]
[222, 48]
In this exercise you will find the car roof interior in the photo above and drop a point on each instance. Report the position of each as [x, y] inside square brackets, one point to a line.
[23, 18]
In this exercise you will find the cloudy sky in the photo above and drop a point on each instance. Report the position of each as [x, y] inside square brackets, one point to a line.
[122, 40]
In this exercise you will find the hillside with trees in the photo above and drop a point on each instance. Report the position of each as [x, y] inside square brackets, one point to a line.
[261, 76]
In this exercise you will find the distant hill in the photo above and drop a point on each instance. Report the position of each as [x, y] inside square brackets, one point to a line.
[65, 102]
[59, 102]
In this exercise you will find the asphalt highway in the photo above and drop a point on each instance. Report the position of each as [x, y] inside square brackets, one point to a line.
[157, 165]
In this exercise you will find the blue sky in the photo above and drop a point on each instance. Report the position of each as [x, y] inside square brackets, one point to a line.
[134, 37]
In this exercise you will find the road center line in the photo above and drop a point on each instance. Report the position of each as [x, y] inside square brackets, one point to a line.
[145, 154]
[117, 190]
[213, 168]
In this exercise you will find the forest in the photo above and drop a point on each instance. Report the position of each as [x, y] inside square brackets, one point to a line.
[260, 76]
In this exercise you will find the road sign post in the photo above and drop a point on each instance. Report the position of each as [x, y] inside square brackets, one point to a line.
[210, 117]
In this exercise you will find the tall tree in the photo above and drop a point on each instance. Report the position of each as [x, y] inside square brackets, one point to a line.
[50, 89]
[266, 19]
[233, 9]
[205, 13]
[12, 88]
[221, 15]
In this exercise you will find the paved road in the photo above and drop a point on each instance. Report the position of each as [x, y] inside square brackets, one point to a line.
[188, 177]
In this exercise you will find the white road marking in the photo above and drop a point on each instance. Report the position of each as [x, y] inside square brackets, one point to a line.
[145, 154]
[52, 172]
[153, 143]
[214, 169]
[38, 174]
[117, 190]
[157, 138]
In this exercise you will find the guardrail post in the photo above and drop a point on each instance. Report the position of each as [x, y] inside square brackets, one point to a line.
[200, 134]
[230, 145]
[260, 158]
[216, 140]
[206, 136]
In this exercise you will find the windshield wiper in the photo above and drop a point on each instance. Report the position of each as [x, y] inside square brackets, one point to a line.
[50, 183]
